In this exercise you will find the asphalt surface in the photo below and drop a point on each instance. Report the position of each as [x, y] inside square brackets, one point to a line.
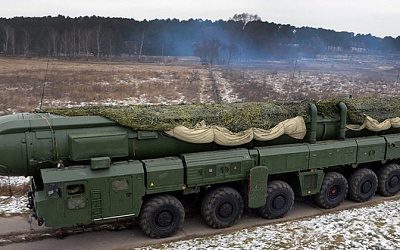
[133, 237]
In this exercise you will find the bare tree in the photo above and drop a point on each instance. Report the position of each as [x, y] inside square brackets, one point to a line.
[27, 41]
[64, 42]
[208, 51]
[141, 45]
[98, 39]
[12, 40]
[6, 29]
[245, 18]
[86, 42]
[53, 36]
[73, 41]
[9, 40]
[79, 42]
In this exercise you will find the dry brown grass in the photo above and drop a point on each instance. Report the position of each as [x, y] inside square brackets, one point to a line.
[21, 82]
[14, 190]
[284, 85]
[96, 82]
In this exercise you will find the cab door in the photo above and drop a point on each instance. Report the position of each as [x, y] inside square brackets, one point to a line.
[77, 207]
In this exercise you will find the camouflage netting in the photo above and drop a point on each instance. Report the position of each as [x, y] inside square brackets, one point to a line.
[377, 108]
[235, 117]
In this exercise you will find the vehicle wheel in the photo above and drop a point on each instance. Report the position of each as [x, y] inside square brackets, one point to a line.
[222, 207]
[161, 216]
[333, 190]
[362, 185]
[280, 199]
[389, 179]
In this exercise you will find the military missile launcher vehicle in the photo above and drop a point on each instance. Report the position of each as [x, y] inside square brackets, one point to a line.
[90, 169]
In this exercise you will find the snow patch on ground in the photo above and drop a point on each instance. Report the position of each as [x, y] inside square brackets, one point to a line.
[375, 227]
[13, 180]
[14, 204]
[11, 205]
[225, 89]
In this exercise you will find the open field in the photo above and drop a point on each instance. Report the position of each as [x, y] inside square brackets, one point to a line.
[71, 83]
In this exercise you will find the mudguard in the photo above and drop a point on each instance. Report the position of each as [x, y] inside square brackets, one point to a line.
[258, 186]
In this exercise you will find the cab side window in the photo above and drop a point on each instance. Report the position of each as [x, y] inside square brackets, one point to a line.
[74, 189]
[76, 196]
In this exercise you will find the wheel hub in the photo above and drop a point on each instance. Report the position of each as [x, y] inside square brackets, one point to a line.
[225, 210]
[334, 192]
[366, 187]
[394, 181]
[279, 202]
[164, 218]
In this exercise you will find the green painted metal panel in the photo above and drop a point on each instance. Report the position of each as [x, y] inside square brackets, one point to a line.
[100, 162]
[13, 158]
[310, 181]
[52, 210]
[217, 166]
[371, 149]
[285, 158]
[332, 153]
[77, 205]
[258, 186]
[392, 146]
[83, 172]
[164, 174]
[86, 146]
[13, 124]
[144, 135]
[121, 192]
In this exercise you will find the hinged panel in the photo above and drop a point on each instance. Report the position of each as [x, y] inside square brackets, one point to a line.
[86, 146]
[121, 195]
[258, 186]
[392, 146]
[143, 135]
[164, 174]
[217, 166]
[333, 153]
[371, 149]
[311, 181]
[285, 158]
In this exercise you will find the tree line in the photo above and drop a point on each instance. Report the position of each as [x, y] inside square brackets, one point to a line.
[244, 36]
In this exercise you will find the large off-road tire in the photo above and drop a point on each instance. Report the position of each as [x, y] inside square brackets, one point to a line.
[280, 199]
[362, 185]
[389, 179]
[333, 190]
[222, 207]
[161, 216]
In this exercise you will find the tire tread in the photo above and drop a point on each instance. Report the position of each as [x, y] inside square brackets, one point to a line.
[151, 206]
[330, 177]
[383, 174]
[213, 196]
[355, 180]
[272, 187]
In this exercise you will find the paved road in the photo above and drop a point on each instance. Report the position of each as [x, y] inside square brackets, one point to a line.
[131, 238]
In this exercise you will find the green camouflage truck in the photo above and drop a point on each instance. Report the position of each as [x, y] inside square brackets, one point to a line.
[90, 169]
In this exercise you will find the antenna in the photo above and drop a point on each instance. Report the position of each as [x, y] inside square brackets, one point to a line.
[44, 83]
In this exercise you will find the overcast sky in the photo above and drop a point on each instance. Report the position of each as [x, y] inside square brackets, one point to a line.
[378, 17]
